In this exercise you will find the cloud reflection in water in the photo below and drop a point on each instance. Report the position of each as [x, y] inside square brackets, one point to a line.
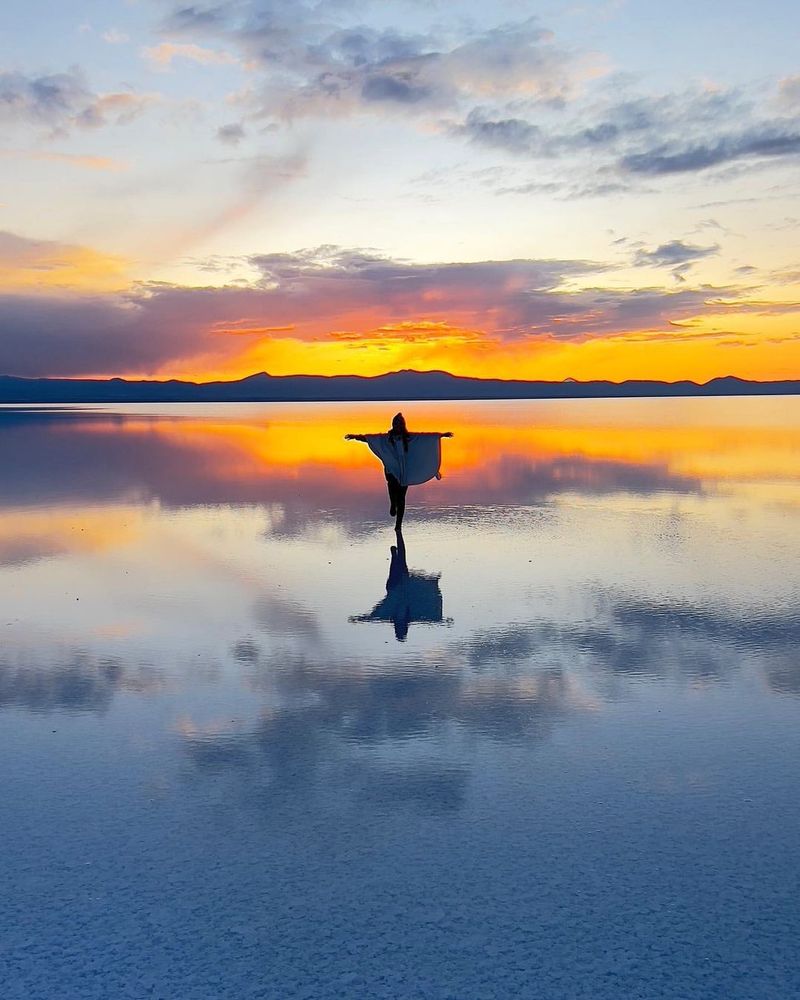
[596, 754]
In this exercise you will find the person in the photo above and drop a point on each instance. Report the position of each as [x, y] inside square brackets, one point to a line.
[408, 460]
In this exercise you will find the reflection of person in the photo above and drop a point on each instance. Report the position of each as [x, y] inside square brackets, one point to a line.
[408, 460]
[410, 597]
[398, 575]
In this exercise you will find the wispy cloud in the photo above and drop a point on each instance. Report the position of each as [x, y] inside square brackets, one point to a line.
[676, 255]
[161, 57]
[646, 136]
[115, 37]
[771, 139]
[84, 161]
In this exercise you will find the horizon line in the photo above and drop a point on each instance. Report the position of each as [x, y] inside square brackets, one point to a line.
[401, 371]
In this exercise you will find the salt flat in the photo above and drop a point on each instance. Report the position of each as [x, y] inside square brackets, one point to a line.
[558, 758]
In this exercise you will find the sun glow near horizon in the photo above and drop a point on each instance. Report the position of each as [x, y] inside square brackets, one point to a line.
[469, 191]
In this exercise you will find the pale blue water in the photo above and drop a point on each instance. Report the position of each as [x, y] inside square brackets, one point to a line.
[560, 761]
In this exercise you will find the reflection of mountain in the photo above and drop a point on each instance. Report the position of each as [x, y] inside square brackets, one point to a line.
[410, 597]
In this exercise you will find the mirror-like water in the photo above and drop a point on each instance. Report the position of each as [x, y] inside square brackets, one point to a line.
[548, 747]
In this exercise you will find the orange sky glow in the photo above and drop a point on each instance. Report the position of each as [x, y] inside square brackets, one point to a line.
[475, 192]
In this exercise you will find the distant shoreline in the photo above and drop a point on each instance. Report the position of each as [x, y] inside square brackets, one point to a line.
[405, 385]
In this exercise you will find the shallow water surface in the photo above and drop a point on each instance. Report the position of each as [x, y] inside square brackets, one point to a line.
[250, 753]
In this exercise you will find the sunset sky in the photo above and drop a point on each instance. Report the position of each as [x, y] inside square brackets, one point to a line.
[588, 189]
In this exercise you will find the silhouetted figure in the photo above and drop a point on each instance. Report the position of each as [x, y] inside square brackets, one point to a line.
[408, 460]
[410, 597]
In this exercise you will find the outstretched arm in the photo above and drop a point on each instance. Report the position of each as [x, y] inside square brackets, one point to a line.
[355, 437]
[447, 434]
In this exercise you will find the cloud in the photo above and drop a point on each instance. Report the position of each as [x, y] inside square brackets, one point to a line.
[511, 134]
[46, 265]
[231, 134]
[84, 161]
[162, 56]
[789, 92]
[676, 255]
[260, 177]
[50, 99]
[607, 127]
[767, 140]
[512, 87]
[318, 295]
[195, 17]
[63, 101]
[644, 136]
[312, 65]
[115, 37]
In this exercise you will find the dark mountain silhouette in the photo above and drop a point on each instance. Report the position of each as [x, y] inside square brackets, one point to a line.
[392, 386]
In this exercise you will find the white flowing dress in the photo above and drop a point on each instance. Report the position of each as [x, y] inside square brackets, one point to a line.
[420, 463]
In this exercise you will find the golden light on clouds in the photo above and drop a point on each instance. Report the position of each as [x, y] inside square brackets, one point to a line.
[750, 347]
[84, 161]
[46, 266]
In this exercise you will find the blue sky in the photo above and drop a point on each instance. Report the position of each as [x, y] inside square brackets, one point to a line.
[651, 148]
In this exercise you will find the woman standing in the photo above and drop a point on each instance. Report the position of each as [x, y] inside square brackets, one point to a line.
[408, 460]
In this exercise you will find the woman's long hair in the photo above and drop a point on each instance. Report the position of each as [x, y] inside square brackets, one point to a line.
[400, 430]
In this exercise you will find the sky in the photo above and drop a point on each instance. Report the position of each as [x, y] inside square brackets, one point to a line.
[595, 189]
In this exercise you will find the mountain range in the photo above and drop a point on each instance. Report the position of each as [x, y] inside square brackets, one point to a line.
[401, 385]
